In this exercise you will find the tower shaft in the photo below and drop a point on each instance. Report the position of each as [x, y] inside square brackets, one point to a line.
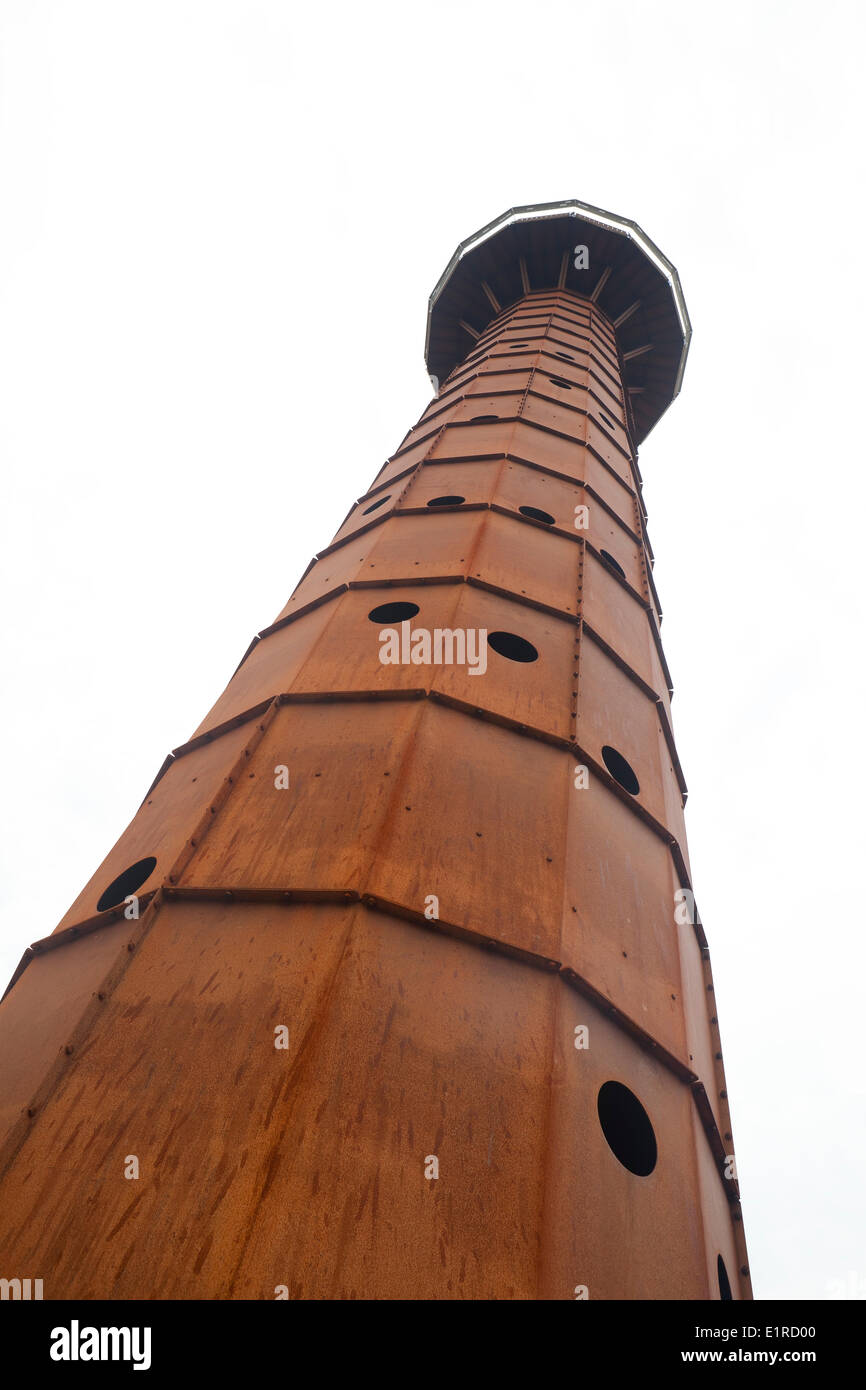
[418, 935]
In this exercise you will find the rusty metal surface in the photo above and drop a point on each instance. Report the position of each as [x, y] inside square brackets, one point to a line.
[618, 928]
[37, 1019]
[326, 803]
[636, 1237]
[469, 1057]
[163, 822]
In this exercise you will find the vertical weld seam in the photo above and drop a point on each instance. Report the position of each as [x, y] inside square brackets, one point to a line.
[317, 1019]
[60, 1069]
[398, 783]
[578, 635]
[546, 1216]
[224, 791]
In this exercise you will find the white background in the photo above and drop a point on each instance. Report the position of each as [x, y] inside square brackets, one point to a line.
[220, 225]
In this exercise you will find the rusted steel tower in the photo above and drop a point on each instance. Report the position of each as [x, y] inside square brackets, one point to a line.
[393, 987]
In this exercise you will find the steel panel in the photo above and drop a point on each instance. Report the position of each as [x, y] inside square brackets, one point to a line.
[398, 463]
[341, 566]
[519, 486]
[296, 1168]
[599, 439]
[40, 1011]
[605, 533]
[347, 654]
[165, 821]
[466, 440]
[437, 544]
[636, 1237]
[613, 710]
[698, 1008]
[571, 459]
[270, 667]
[719, 1228]
[532, 561]
[619, 619]
[454, 843]
[546, 378]
[463, 408]
[320, 832]
[618, 925]
[474, 481]
[536, 693]
[499, 359]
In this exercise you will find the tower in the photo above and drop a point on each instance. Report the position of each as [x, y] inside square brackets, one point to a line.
[394, 986]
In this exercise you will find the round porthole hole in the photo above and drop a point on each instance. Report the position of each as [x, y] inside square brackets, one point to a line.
[374, 506]
[393, 612]
[614, 564]
[620, 769]
[724, 1282]
[538, 515]
[126, 883]
[509, 645]
[627, 1128]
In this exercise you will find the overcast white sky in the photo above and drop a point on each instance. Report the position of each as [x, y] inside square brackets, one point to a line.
[193, 194]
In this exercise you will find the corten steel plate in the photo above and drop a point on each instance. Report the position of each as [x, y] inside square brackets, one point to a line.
[323, 830]
[614, 712]
[722, 1236]
[394, 861]
[41, 1012]
[618, 919]
[659, 1215]
[270, 667]
[702, 1036]
[619, 619]
[382, 810]
[456, 1053]
[164, 821]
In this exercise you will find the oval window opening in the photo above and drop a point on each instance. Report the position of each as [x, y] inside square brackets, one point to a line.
[393, 612]
[560, 381]
[126, 883]
[446, 501]
[626, 1127]
[381, 502]
[514, 345]
[515, 648]
[724, 1282]
[538, 515]
[614, 564]
[483, 419]
[609, 423]
[565, 357]
[620, 770]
